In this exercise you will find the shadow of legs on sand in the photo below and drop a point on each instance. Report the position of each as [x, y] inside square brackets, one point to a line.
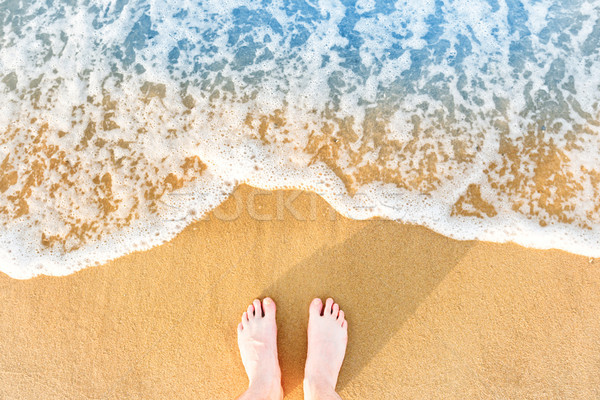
[377, 297]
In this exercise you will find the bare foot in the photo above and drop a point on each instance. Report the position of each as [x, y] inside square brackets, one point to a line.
[327, 339]
[257, 340]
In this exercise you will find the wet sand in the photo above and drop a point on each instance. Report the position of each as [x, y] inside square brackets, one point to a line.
[429, 317]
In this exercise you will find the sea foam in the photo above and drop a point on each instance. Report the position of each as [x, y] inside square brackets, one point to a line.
[122, 122]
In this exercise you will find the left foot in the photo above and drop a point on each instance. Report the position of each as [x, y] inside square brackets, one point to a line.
[257, 340]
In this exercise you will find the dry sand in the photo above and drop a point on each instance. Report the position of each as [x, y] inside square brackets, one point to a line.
[429, 317]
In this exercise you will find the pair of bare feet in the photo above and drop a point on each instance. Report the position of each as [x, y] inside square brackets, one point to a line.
[327, 339]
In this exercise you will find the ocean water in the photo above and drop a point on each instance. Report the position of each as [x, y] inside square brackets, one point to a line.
[123, 121]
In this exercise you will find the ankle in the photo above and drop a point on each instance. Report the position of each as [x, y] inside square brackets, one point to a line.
[318, 388]
[266, 389]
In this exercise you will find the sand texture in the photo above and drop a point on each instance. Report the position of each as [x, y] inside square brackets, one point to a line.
[429, 317]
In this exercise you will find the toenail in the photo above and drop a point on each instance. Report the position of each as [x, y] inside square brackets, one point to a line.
[268, 301]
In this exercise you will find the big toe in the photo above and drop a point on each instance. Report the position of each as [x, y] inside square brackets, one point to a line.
[269, 307]
[316, 306]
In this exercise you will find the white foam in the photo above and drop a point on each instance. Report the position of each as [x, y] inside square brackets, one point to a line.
[443, 132]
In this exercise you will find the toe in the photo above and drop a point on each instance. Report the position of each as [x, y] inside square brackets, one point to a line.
[240, 328]
[340, 318]
[336, 310]
[245, 319]
[328, 306]
[257, 308]
[345, 324]
[316, 306]
[250, 311]
[268, 307]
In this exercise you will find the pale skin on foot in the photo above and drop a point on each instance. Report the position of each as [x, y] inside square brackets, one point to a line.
[327, 339]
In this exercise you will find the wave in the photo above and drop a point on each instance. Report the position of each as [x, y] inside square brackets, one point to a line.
[122, 122]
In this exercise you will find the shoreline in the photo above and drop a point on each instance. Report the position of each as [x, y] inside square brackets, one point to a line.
[153, 233]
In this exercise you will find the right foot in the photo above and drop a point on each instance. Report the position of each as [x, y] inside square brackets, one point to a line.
[257, 340]
[327, 339]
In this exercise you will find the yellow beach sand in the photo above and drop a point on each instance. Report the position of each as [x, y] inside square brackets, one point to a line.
[429, 317]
